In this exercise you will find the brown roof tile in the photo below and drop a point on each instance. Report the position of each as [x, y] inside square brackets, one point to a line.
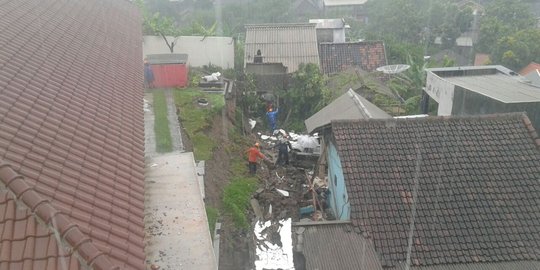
[367, 55]
[72, 125]
[475, 180]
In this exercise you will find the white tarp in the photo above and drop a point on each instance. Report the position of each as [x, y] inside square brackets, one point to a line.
[270, 255]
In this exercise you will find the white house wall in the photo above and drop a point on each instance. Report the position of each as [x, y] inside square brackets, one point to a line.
[201, 51]
[441, 91]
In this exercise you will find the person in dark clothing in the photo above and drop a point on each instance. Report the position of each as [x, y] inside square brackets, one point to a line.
[148, 75]
[283, 147]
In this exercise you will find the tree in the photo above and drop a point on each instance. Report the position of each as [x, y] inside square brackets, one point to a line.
[517, 50]
[503, 18]
[156, 24]
[303, 98]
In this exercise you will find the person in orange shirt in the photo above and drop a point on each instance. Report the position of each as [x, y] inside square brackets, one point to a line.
[253, 155]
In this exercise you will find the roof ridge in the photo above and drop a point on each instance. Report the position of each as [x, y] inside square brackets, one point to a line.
[45, 213]
[516, 115]
[532, 132]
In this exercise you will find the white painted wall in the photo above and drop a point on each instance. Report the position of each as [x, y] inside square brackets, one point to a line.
[441, 91]
[201, 51]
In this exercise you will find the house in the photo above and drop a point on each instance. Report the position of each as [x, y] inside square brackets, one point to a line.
[289, 44]
[437, 192]
[348, 106]
[202, 51]
[330, 30]
[482, 90]
[481, 59]
[532, 73]
[356, 7]
[170, 69]
[366, 55]
[71, 135]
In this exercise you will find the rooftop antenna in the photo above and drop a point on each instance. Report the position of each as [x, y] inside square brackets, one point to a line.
[393, 69]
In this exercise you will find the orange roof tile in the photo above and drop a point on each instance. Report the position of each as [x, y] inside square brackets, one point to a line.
[72, 131]
[529, 68]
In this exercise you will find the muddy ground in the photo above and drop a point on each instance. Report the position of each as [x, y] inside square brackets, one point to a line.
[236, 244]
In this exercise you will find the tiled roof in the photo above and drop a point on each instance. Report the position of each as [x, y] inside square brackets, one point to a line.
[71, 124]
[334, 247]
[529, 68]
[476, 181]
[367, 55]
[291, 44]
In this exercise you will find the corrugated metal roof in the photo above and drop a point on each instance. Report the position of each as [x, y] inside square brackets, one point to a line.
[498, 86]
[330, 3]
[167, 58]
[290, 44]
[335, 247]
[348, 106]
[496, 82]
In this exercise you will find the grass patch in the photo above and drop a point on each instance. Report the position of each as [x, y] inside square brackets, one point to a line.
[161, 123]
[236, 198]
[212, 215]
[196, 119]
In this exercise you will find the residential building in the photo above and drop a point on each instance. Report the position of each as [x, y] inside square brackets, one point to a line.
[482, 90]
[71, 135]
[348, 106]
[431, 193]
[532, 73]
[330, 30]
[288, 44]
[366, 55]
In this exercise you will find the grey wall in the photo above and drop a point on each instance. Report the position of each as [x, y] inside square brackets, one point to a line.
[471, 103]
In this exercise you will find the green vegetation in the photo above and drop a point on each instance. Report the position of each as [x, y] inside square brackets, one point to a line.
[196, 118]
[161, 123]
[212, 216]
[236, 198]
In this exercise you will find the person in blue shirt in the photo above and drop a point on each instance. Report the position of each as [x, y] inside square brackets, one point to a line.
[272, 118]
[148, 75]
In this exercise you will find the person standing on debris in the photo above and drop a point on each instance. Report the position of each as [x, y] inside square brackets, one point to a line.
[283, 147]
[253, 155]
[148, 75]
[272, 118]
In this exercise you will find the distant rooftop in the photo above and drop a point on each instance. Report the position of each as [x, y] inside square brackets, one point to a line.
[330, 3]
[496, 82]
[329, 23]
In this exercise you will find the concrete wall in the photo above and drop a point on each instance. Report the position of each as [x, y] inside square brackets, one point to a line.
[339, 199]
[441, 91]
[471, 103]
[202, 51]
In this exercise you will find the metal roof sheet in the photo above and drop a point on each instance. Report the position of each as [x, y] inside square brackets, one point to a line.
[496, 82]
[329, 3]
[290, 44]
[167, 58]
[498, 86]
[348, 106]
[335, 247]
